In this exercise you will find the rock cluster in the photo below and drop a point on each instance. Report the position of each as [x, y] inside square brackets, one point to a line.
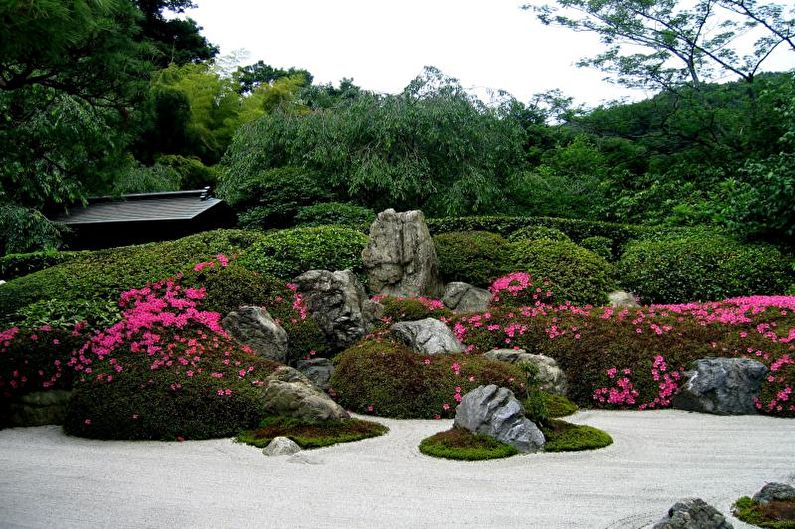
[289, 393]
[693, 513]
[254, 327]
[723, 386]
[496, 412]
[400, 257]
[429, 336]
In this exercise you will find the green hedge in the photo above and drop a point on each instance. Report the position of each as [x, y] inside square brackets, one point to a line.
[577, 275]
[289, 253]
[334, 213]
[601, 246]
[534, 233]
[104, 274]
[20, 264]
[475, 257]
[704, 266]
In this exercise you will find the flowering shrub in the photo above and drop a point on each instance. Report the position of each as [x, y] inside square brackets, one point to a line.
[384, 378]
[518, 289]
[635, 358]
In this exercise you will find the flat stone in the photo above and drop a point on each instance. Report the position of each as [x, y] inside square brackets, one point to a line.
[496, 412]
[429, 336]
[693, 513]
[281, 446]
[255, 328]
[463, 297]
[723, 386]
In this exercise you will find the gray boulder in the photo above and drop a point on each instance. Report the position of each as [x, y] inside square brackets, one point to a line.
[318, 370]
[254, 327]
[463, 297]
[39, 408]
[429, 336]
[693, 513]
[495, 412]
[400, 257]
[287, 392]
[774, 492]
[723, 386]
[551, 377]
[281, 446]
[623, 300]
[338, 303]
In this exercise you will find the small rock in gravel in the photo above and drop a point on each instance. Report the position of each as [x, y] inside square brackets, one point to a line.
[281, 446]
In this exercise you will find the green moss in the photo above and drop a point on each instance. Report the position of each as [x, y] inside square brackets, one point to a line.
[411, 309]
[475, 257]
[775, 515]
[311, 434]
[558, 405]
[461, 444]
[566, 437]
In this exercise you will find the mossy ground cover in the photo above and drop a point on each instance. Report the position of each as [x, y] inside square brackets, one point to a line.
[558, 405]
[774, 515]
[566, 437]
[311, 434]
[464, 445]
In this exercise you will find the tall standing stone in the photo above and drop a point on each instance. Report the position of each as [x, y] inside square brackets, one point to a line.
[400, 257]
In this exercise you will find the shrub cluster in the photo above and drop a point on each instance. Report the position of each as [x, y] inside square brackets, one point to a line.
[534, 233]
[601, 246]
[702, 266]
[384, 378]
[19, 264]
[334, 214]
[475, 257]
[289, 253]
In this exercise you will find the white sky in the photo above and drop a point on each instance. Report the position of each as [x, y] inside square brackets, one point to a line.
[486, 44]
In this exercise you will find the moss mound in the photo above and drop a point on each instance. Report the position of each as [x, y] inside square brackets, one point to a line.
[461, 444]
[411, 309]
[382, 377]
[774, 515]
[566, 437]
[558, 405]
[475, 257]
[311, 434]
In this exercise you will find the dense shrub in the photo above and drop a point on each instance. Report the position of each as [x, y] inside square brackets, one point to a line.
[601, 246]
[143, 179]
[475, 257]
[576, 274]
[702, 266]
[635, 358]
[19, 264]
[104, 274]
[411, 309]
[289, 253]
[271, 198]
[165, 371]
[192, 172]
[65, 314]
[381, 377]
[334, 213]
[534, 233]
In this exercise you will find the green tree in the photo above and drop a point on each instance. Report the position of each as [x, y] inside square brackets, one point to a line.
[177, 40]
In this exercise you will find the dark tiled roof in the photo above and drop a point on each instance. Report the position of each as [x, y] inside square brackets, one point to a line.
[183, 205]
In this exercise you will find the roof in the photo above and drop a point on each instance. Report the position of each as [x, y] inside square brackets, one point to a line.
[145, 207]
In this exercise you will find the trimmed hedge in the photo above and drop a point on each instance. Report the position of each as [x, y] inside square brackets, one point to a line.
[601, 246]
[381, 377]
[475, 257]
[20, 264]
[289, 253]
[104, 274]
[334, 213]
[577, 275]
[703, 266]
[534, 233]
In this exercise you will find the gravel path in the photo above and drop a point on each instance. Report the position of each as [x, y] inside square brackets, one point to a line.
[50, 481]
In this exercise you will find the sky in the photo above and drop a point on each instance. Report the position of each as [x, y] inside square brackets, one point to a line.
[486, 44]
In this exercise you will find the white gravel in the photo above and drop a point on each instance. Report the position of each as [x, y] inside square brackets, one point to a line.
[51, 481]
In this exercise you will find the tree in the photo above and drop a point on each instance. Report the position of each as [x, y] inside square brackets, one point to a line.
[253, 75]
[661, 44]
[177, 41]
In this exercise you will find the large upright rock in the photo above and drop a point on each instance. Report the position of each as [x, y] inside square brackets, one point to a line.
[693, 513]
[495, 412]
[289, 393]
[550, 376]
[338, 303]
[723, 386]
[254, 327]
[428, 336]
[463, 297]
[400, 257]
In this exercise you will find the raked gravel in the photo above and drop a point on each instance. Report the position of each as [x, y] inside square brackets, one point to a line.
[51, 481]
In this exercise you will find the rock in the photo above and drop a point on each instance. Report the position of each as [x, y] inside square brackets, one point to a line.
[693, 513]
[724, 386]
[463, 297]
[774, 492]
[550, 376]
[40, 408]
[338, 303]
[495, 412]
[254, 327]
[281, 446]
[289, 393]
[400, 257]
[623, 300]
[429, 336]
[318, 370]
